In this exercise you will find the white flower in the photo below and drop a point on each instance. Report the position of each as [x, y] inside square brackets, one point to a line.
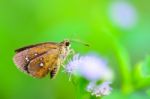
[103, 89]
[90, 67]
[72, 66]
[99, 90]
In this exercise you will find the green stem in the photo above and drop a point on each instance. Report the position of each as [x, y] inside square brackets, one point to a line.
[94, 97]
[79, 89]
[124, 64]
[78, 92]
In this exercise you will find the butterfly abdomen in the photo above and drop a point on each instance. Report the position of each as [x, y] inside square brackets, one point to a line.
[53, 72]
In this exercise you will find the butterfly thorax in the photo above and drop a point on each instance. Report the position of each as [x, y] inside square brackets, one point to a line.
[64, 50]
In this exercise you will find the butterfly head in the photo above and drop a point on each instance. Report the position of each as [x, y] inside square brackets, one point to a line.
[65, 43]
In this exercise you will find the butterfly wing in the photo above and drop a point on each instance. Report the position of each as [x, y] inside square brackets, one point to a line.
[46, 44]
[26, 54]
[40, 66]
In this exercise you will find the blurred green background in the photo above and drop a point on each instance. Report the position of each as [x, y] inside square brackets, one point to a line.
[116, 29]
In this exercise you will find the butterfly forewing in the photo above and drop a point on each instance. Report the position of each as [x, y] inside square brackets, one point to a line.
[46, 45]
[26, 54]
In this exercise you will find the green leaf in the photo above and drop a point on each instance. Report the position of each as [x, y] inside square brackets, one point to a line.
[142, 74]
[146, 67]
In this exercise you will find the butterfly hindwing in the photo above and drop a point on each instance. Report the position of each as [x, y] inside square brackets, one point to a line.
[40, 66]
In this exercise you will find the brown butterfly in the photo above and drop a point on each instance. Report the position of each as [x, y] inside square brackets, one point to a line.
[40, 59]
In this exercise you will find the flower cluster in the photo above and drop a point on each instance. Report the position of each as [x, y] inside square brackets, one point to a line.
[92, 68]
[99, 90]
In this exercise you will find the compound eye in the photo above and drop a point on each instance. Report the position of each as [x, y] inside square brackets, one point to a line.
[67, 43]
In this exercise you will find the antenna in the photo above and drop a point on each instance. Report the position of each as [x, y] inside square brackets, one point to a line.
[78, 41]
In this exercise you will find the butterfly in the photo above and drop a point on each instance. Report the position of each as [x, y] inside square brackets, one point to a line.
[40, 59]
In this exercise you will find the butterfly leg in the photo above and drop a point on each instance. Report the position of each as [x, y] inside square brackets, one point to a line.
[63, 65]
[72, 52]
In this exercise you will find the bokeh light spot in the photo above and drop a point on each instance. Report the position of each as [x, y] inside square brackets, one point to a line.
[123, 14]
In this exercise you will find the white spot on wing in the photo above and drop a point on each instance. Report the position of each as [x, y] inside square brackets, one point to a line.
[41, 64]
[35, 54]
[27, 59]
